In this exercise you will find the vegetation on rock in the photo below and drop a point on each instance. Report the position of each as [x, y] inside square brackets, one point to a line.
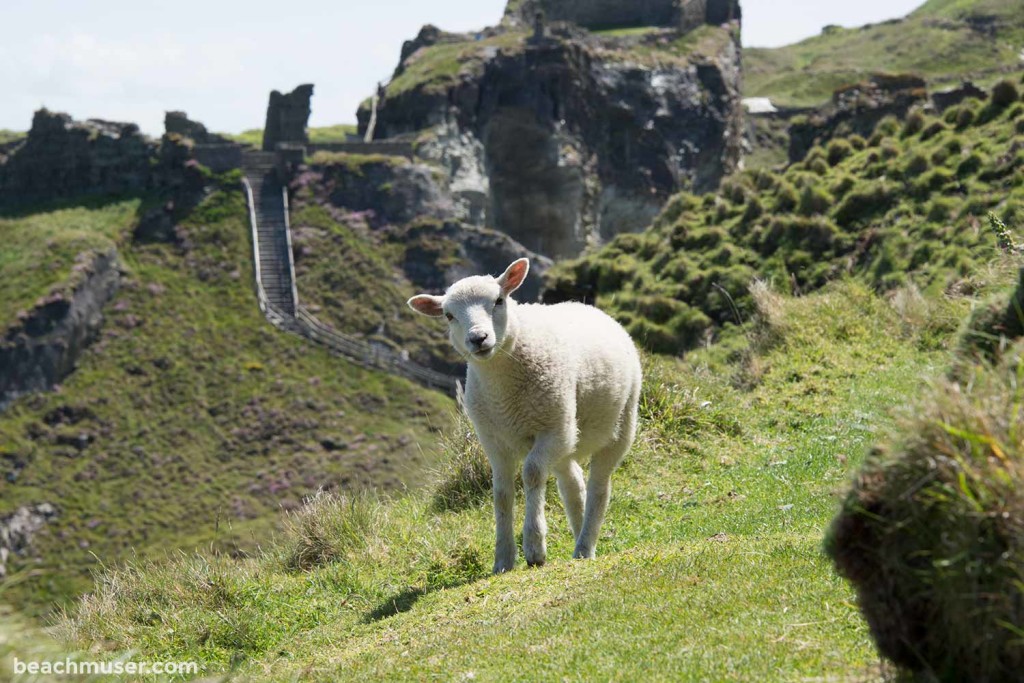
[908, 206]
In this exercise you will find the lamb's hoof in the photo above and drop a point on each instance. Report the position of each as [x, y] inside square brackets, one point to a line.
[535, 558]
[504, 565]
[584, 554]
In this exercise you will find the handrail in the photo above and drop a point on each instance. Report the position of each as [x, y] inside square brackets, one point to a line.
[261, 294]
[288, 241]
[305, 324]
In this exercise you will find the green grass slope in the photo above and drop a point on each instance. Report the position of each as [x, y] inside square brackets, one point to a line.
[907, 205]
[317, 135]
[710, 564]
[944, 41]
[41, 250]
[191, 420]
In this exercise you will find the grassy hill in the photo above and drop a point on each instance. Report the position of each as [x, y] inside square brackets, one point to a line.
[944, 41]
[317, 135]
[907, 205]
[191, 421]
[710, 561]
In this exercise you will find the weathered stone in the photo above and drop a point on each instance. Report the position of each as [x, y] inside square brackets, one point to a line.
[62, 158]
[603, 14]
[18, 529]
[287, 117]
[857, 109]
[948, 98]
[178, 122]
[564, 143]
[393, 189]
[44, 345]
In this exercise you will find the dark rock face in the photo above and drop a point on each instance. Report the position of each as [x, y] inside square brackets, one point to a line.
[948, 98]
[857, 110]
[178, 123]
[393, 189]
[603, 14]
[569, 144]
[466, 251]
[62, 158]
[287, 117]
[42, 348]
[18, 529]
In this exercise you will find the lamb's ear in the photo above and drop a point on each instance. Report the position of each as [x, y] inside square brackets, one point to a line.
[513, 276]
[427, 305]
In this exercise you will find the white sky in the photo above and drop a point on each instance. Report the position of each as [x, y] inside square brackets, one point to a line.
[131, 60]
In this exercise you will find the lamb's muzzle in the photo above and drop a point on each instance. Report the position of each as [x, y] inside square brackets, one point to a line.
[549, 387]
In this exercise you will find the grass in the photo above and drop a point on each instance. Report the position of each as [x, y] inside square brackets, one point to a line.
[936, 42]
[710, 561]
[42, 250]
[7, 136]
[909, 205]
[436, 67]
[200, 420]
[317, 135]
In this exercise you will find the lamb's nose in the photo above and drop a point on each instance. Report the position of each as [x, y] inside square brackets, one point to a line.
[477, 339]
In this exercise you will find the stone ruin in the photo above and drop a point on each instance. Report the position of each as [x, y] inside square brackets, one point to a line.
[178, 123]
[684, 15]
[287, 117]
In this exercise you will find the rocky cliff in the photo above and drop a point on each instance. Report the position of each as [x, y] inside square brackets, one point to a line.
[63, 158]
[566, 137]
[43, 346]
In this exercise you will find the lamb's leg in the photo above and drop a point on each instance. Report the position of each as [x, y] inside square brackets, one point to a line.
[599, 486]
[547, 449]
[503, 477]
[573, 491]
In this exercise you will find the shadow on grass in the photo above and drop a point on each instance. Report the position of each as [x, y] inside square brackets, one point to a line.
[460, 568]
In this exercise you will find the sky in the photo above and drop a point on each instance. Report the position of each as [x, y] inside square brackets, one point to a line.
[217, 60]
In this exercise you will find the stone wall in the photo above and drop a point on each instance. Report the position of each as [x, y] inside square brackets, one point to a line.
[603, 14]
[287, 117]
[62, 158]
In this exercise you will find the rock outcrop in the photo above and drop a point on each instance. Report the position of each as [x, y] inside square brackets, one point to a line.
[19, 528]
[287, 117]
[568, 139]
[43, 346]
[62, 158]
[684, 15]
[857, 109]
[178, 123]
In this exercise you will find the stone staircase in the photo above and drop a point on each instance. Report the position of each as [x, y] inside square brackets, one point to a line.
[274, 254]
[275, 280]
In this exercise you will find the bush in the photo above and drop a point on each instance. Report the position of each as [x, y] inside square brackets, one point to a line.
[913, 124]
[932, 130]
[916, 166]
[837, 151]
[814, 201]
[786, 197]
[992, 327]
[329, 526]
[860, 205]
[965, 117]
[932, 535]
[1004, 94]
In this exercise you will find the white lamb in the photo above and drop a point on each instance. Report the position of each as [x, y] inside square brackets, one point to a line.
[551, 384]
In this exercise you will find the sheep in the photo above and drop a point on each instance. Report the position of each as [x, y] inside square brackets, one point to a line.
[547, 386]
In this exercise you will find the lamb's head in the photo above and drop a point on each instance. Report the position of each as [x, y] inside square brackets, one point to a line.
[477, 309]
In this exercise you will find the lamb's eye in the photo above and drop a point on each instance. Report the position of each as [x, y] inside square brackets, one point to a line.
[499, 302]
[449, 316]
